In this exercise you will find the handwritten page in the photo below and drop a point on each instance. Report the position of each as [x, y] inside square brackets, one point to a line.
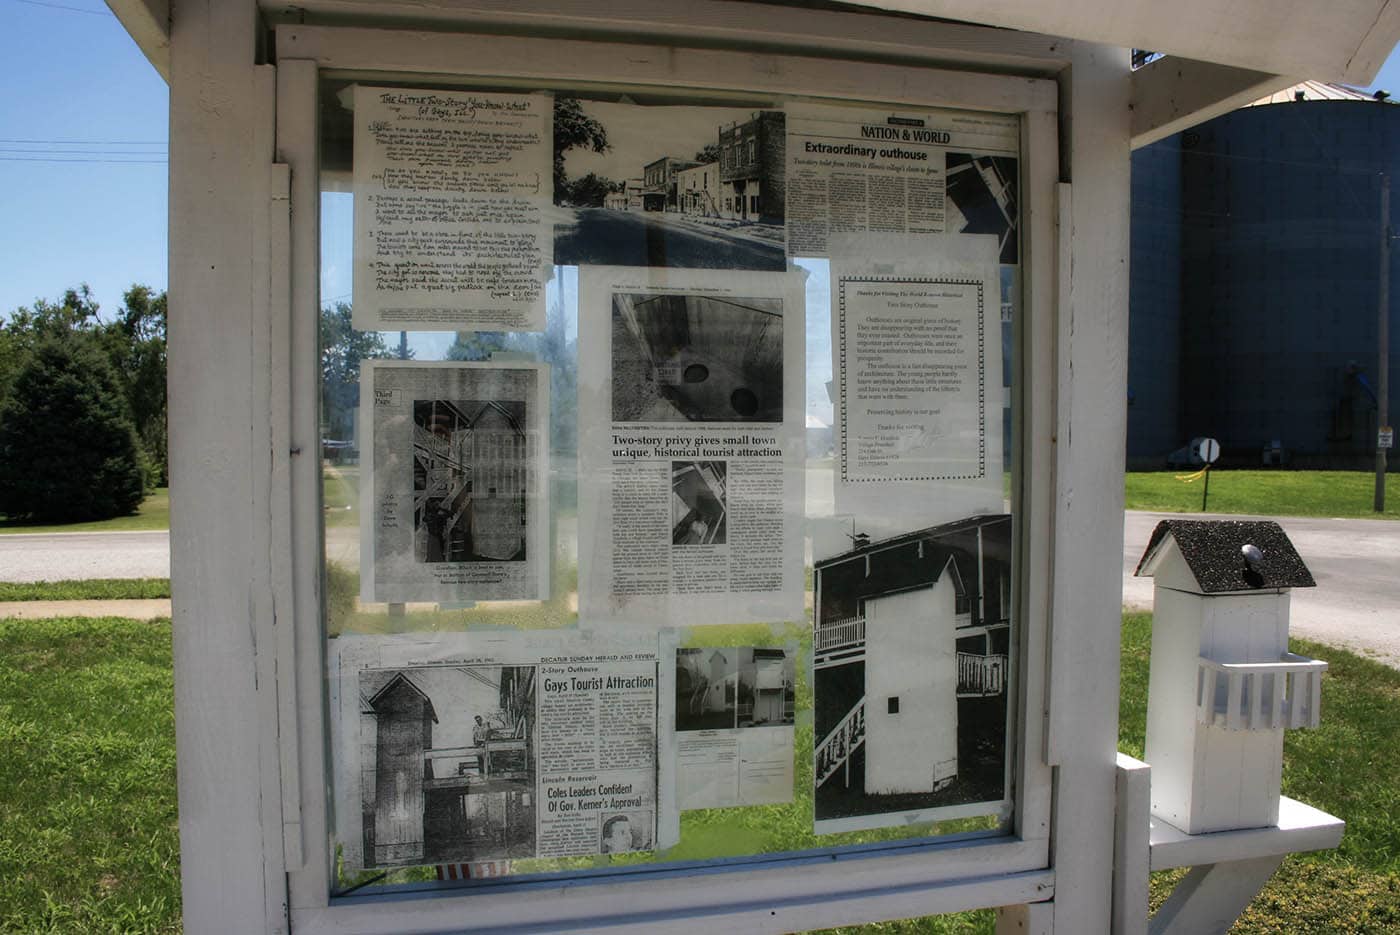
[452, 190]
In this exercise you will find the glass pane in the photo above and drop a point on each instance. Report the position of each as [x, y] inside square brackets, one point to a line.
[717, 560]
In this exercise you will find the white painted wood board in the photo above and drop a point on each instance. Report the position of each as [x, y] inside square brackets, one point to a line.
[1091, 340]
[1132, 853]
[1211, 897]
[298, 148]
[1300, 828]
[219, 130]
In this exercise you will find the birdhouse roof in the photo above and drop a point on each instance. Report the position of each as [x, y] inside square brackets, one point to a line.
[1212, 550]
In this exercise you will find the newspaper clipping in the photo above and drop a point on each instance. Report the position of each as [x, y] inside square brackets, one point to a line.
[454, 482]
[493, 747]
[855, 170]
[691, 448]
[916, 336]
[452, 194]
[734, 725]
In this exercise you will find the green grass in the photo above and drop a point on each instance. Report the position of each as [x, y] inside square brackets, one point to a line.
[153, 513]
[88, 832]
[343, 615]
[340, 495]
[1266, 493]
[88, 838]
[92, 589]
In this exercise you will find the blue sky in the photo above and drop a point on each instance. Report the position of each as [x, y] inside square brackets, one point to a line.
[83, 132]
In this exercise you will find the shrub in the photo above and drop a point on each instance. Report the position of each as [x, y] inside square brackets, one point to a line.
[68, 447]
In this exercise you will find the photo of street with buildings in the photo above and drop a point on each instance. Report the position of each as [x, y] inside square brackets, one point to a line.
[695, 187]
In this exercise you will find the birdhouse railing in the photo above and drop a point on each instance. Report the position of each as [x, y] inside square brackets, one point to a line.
[1260, 695]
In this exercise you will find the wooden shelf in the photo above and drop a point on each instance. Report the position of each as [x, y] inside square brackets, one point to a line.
[1300, 828]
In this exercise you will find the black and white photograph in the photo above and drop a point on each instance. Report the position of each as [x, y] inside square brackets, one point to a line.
[454, 498]
[696, 358]
[665, 185]
[912, 653]
[767, 688]
[447, 764]
[707, 688]
[470, 470]
[623, 832]
[725, 687]
[982, 199]
[698, 502]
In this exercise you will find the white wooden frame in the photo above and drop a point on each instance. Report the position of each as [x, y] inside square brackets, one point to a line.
[773, 892]
[249, 684]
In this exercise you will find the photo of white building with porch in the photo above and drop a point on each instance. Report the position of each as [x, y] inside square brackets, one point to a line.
[911, 660]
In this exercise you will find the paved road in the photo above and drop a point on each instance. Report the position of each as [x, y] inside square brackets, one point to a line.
[67, 555]
[627, 238]
[1356, 563]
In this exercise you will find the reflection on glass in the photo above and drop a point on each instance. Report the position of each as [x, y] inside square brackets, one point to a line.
[884, 714]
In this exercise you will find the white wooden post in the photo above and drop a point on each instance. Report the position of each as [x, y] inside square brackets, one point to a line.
[1132, 852]
[1088, 526]
[220, 160]
[298, 592]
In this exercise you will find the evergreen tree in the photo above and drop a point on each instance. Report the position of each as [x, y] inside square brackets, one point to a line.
[137, 345]
[134, 343]
[342, 349]
[68, 447]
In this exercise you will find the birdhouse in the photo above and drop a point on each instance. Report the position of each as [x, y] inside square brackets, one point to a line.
[1223, 685]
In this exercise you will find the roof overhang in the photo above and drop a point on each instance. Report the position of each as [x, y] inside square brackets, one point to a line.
[1220, 54]
[1344, 40]
[1171, 94]
[148, 23]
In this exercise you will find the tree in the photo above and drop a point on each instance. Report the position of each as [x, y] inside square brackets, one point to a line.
[342, 349]
[589, 191]
[573, 129]
[76, 313]
[708, 154]
[140, 356]
[551, 347]
[134, 343]
[68, 447]
[477, 345]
